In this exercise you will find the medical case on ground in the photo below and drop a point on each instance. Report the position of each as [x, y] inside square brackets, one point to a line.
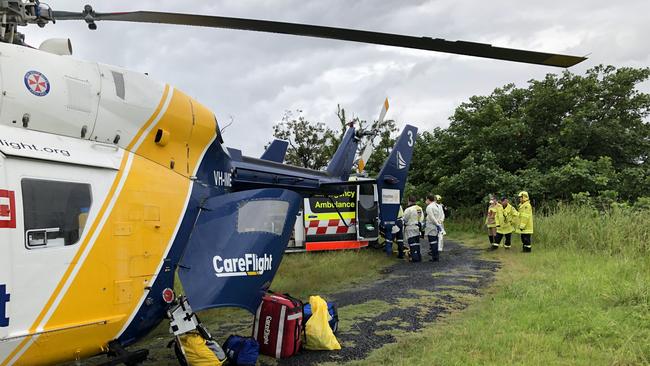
[278, 325]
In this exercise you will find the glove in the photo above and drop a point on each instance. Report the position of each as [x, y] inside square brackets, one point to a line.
[522, 227]
[439, 228]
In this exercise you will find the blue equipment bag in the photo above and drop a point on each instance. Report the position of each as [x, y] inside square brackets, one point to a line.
[242, 351]
[331, 309]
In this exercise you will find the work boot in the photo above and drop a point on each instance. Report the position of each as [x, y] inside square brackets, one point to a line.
[433, 252]
[527, 249]
[507, 246]
[494, 246]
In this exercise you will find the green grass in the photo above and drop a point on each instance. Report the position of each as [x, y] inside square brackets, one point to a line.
[318, 273]
[624, 232]
[572, 301]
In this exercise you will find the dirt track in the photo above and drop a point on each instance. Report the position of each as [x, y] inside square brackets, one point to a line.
[411, 296]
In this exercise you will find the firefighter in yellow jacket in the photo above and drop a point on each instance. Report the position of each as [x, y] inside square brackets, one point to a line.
[491, 220]
[506, 214]
[525, 227]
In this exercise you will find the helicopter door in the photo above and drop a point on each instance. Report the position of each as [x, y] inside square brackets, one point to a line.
[7, 220]
[367, 212]
[236, 247]
[55, 207]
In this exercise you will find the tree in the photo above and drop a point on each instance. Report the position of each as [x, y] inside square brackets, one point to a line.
[560, 135]
[308, 141]
[312, 145]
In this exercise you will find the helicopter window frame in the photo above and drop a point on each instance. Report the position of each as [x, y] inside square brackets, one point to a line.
[262, 216]
[55, 212]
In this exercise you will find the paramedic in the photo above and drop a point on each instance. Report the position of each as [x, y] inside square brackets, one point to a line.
[433, 228]
[441, 218]
[413, 220]
[399, 235]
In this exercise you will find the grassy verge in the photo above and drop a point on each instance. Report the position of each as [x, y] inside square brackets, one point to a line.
[581, 298]
[305, 274]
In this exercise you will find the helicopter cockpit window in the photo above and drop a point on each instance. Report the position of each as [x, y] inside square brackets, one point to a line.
[55, 212]
[262, 216]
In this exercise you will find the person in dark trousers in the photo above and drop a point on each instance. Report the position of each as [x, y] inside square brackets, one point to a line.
[433, 228]
[525, 227]
[491, 221]
[399, 235]
[413, 220]
[506, 214]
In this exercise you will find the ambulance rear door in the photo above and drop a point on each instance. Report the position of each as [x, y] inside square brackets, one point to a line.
[367, 212]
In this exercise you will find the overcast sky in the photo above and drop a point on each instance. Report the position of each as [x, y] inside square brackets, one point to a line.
[252, 78]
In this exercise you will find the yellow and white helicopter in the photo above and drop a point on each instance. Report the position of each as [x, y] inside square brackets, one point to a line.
[111, 182]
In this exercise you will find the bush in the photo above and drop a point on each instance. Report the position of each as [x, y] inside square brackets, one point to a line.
[621, 231]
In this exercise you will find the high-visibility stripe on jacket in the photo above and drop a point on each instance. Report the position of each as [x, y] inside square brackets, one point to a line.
[413, 219]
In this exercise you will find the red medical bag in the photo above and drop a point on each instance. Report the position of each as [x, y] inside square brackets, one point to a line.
[278, 325]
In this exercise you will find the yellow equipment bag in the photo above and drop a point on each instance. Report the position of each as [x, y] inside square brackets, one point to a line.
[318, 332]
[197, 351]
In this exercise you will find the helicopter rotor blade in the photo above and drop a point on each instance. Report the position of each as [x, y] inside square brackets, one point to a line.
[367, 151]
[387, 39]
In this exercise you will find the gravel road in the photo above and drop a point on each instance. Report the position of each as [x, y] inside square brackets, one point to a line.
[412, 295]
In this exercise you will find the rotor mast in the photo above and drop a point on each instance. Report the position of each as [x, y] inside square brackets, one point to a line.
[15, 13]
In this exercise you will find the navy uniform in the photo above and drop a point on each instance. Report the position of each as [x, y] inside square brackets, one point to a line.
[413, 220]
[433, 229]
[399, 235]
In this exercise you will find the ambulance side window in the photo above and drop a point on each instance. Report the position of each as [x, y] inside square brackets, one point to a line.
[55, 212]
[262, 216]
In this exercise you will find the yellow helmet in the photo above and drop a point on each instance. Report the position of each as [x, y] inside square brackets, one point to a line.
[438, 198]
[523, 194]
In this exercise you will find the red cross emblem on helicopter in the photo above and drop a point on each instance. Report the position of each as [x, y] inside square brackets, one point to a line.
[37, 83]
[7, 209]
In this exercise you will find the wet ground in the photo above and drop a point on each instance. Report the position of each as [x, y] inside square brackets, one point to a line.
[412, 295]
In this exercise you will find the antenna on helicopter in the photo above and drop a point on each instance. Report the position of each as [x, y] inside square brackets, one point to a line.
[232, 120]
